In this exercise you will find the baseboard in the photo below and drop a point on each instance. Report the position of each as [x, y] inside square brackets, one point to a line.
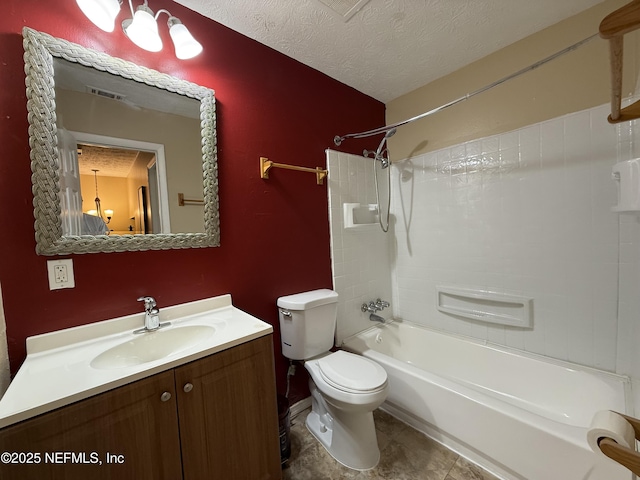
[299, 407]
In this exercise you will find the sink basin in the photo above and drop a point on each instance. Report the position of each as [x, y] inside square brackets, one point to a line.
[151, 346]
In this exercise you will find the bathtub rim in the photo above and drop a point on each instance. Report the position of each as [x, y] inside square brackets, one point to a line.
[442, 434]
[626, 380]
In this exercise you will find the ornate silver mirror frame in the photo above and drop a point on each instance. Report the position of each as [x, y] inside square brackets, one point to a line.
[40, 48]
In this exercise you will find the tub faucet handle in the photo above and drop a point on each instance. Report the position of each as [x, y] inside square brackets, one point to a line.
[382, 304]
[371, 307]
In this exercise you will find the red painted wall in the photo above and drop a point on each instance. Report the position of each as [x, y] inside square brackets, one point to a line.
[274, 233]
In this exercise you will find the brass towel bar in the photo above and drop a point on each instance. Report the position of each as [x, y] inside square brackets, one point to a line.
[619, 453]
[266, 165]
[187, 201]
[613, 28]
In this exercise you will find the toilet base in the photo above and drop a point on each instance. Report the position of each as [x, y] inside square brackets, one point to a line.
[349, 437]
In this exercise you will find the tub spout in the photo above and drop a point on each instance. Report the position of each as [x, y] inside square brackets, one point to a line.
[376, 318]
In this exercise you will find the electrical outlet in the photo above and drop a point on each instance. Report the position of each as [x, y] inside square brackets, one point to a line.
[60, 274]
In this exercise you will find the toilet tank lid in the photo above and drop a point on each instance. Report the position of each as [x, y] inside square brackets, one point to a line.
[305, 300]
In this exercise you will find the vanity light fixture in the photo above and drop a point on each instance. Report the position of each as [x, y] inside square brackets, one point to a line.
[186, 46]
[142, 28]
[102, 13]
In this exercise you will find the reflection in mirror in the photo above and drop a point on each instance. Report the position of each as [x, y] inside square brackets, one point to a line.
[117, 174]
[128, 142]
[128, 114]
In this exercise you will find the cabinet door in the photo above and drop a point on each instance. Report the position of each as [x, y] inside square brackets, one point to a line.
[126, 433]
[228, 414]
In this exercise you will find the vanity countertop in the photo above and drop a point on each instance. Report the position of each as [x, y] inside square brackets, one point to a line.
[58, 371]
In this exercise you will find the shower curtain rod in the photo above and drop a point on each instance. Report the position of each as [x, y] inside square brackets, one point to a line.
[339, 139]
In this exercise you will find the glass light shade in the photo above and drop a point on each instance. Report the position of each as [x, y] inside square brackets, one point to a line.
[186, 46]
[143, 30]
[108, 212]
[92, 212]
[102, 13]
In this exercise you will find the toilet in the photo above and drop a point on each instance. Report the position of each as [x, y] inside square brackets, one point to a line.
[345, 388]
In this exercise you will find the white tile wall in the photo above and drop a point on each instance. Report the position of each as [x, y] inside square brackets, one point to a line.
[360, 257]
[526, 212]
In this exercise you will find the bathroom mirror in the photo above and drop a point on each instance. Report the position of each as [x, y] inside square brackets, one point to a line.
[186, 219]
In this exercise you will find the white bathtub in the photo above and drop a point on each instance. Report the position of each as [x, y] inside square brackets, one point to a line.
[520, 416]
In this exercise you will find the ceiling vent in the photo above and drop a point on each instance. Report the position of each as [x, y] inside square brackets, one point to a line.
[101, 92]
[345, 8]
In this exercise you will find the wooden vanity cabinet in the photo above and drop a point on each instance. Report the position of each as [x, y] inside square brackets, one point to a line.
[131, 423]
[228, 415]
[214, 418]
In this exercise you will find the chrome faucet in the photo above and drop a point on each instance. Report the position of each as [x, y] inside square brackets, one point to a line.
[374, 307]
[381, 304]
[371, 307]
[151, 316]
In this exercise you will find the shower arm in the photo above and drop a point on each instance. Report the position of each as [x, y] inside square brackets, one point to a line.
[339, 139]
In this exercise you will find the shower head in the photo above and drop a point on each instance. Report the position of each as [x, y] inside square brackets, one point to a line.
[382, 153]
[389, 134]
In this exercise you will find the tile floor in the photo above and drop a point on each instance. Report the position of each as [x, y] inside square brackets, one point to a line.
[404, 454]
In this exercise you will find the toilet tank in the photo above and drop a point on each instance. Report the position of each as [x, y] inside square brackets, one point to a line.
[307, 323]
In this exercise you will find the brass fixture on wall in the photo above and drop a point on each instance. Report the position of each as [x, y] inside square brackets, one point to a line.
[188, 201]
[266, 165]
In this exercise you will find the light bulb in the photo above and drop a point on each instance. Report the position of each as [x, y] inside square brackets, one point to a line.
[186, 46]
[143, 30]
[102, 13]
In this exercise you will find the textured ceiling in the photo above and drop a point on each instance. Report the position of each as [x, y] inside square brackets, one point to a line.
[109, 162]
[389, 47]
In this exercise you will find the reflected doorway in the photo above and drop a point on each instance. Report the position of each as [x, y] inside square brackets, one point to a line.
[131, 180]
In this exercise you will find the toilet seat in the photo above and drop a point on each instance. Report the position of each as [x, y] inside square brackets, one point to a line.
[352, 373]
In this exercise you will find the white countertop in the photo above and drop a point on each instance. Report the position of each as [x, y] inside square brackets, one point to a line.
[57, 369]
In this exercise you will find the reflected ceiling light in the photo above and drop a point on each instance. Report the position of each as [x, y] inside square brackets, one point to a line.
[98, 211]
[102, 13]
[142, 29]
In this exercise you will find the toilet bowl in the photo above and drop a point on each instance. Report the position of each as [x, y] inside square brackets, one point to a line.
[345, 387]
[349, 381]
[342, 404]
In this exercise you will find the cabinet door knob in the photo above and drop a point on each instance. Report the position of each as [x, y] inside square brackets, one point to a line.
[187, 387]
[165, 397]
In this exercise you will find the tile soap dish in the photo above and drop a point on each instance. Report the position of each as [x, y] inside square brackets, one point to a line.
[358, 215]
[627, 177]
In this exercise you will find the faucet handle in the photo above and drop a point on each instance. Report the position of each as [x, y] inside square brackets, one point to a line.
[374, 307]
[382, 303]
[149, 302]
